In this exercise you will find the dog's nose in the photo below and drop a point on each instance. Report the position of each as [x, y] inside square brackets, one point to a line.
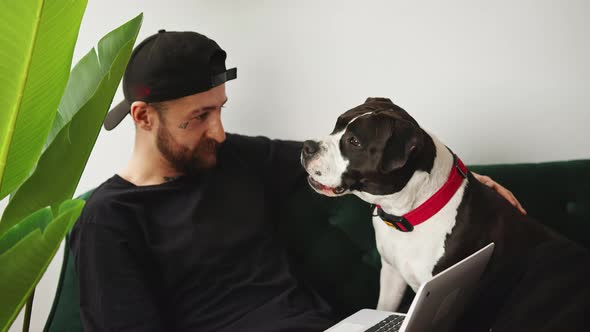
[310, 148]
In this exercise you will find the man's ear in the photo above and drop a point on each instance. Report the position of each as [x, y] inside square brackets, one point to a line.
[141, 115]
[405, 137]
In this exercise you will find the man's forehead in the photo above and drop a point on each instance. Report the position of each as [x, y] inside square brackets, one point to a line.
[189, 104]
[209, 104]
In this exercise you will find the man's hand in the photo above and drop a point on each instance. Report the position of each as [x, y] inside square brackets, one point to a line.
[507, 194]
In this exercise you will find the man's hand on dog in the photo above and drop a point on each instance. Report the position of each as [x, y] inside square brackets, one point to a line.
[507, 194]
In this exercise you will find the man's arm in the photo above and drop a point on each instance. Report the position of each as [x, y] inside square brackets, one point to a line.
[285, 172]
[282, 170]
[114, 292]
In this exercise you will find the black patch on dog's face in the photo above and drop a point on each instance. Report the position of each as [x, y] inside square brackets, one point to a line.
[384, 148]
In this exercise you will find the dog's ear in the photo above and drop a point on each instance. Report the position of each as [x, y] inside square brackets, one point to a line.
[378, 99]
[405, 137]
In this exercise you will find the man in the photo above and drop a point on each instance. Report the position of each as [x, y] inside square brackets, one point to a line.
[183, 239]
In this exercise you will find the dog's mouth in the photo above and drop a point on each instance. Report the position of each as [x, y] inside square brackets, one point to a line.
[325, 189]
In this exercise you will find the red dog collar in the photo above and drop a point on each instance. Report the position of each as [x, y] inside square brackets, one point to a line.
[432, 205]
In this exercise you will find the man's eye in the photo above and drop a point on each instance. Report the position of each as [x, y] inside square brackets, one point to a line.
[202, 116]
[354, 141]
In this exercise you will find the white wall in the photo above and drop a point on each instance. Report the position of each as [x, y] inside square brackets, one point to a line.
[497, 81]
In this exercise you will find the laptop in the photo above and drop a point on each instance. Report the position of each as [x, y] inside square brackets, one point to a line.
[436, 306]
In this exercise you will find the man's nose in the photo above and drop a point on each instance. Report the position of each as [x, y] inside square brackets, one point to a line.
[310, 148]
[216, 131]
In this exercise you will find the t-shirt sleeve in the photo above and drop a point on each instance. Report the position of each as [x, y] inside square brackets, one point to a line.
[284, 172]
[278, 163]
[115, 294]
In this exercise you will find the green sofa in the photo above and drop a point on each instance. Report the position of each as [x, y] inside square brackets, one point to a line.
[331, 241]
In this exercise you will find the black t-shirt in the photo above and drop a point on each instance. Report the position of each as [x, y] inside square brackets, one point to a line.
[199, 253]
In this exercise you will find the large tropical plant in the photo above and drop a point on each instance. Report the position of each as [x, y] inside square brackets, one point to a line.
[50, 119]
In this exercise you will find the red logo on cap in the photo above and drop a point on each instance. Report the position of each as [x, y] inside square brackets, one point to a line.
[142, 91]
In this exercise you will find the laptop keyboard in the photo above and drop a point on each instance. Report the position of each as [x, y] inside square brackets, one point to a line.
[390, 324]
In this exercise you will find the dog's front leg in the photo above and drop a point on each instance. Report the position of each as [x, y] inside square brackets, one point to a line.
[392, 287]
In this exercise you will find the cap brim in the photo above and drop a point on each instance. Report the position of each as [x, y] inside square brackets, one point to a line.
[116, 115]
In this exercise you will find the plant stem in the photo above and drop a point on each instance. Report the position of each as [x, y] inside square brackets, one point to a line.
[28, 309]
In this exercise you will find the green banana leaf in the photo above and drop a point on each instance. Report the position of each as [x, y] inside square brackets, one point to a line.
[28, 249]
[37, 39]
[40, 219]
[61, 165]
[79, 90]
[81, 86]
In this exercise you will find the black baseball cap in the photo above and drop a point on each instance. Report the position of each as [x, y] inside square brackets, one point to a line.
[170, 65]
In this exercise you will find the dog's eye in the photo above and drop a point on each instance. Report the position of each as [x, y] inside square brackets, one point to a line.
[354, 141]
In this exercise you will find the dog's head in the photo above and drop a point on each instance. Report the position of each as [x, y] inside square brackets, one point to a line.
[375, 148]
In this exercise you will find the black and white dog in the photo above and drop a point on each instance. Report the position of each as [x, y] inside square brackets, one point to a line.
[431, 213]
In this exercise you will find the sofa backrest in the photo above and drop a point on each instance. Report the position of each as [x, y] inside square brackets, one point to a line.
[555, 193]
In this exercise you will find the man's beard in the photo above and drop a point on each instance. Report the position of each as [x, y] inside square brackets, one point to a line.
[185, 161]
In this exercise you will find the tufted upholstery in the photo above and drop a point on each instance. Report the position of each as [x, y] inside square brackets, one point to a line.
[331, 241]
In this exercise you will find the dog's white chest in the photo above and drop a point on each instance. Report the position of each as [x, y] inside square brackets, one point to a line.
[415, 254]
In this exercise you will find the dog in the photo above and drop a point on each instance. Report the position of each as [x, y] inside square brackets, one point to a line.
[430, 213]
